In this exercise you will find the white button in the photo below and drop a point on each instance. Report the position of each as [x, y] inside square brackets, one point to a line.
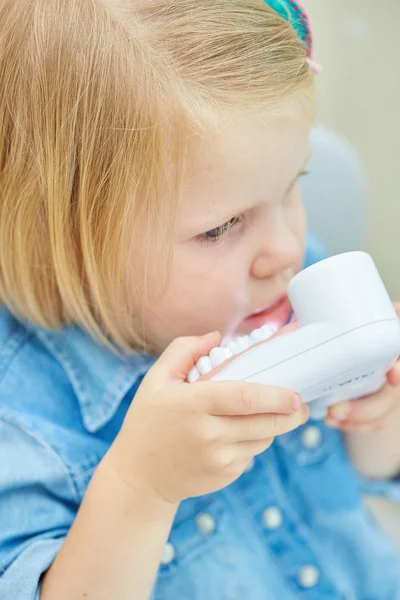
[250, 466]
[272, 518]
[311, 437]
[205, 523]
[308, 576]
[168, 554]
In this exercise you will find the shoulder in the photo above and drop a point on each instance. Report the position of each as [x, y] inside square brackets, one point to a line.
[32, 382]
[39, 409]
[65, 390]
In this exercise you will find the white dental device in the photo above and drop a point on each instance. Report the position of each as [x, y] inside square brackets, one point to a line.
[348, 338]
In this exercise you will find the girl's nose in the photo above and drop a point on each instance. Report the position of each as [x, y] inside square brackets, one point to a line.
[277, 254]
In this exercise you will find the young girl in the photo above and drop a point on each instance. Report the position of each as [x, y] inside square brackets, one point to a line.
[150, 154]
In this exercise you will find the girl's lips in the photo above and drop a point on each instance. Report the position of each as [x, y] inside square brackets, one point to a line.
[267, 306]
[277, 316]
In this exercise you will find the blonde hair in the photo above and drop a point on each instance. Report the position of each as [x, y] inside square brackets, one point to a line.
[99, 104]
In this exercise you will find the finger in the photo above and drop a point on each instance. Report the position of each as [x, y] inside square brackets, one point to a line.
[352, 427]
[229, 398]
[182, 354]
[365, 410]
[252, 428]
[250, 449]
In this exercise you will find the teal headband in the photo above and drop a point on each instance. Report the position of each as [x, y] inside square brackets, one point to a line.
[292, 12]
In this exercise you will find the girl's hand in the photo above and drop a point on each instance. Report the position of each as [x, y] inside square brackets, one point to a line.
[372, 412]
[182, 440]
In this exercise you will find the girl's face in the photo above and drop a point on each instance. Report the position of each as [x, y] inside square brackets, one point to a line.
[240, 234]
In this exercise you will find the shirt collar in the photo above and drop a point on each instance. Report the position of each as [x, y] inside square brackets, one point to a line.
[100, 378]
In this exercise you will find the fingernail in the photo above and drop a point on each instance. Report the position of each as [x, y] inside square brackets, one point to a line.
[341, 411]
[207, 335]
[296, 402]
[332, 423]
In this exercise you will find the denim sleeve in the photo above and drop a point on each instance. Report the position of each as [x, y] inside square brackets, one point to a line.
[38, 503]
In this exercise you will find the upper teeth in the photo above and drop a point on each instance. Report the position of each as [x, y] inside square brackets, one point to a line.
[217, 356]
[267, 330]
[204, 365]
[243, 342]
[256, 335]
[220, 354]
[233, 347]
[193, 375]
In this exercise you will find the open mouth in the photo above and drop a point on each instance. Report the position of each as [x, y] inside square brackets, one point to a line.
[275, 314]
[263, 324]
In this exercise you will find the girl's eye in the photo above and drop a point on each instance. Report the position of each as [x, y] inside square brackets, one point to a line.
[214, 235]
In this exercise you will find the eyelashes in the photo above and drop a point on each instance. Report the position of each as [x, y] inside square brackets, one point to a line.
[218, 233]
[212, 236]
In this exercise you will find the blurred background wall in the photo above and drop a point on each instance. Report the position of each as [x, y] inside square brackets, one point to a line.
[358, 44]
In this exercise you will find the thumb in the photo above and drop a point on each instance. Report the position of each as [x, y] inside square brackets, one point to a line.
[182, 354]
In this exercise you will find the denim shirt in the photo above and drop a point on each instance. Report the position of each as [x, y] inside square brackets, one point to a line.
[292, 526]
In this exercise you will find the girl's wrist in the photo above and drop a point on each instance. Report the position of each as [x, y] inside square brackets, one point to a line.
[134, 489]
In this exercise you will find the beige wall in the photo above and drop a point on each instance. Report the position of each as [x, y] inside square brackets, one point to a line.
[358, 44]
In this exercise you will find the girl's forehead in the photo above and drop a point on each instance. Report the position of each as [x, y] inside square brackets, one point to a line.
[249, 148]
[248, 139]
